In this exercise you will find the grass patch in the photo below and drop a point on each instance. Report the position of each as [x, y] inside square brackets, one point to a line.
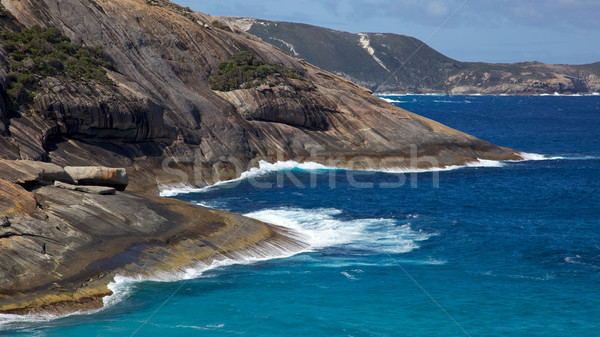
[245, 71]
[38, 53]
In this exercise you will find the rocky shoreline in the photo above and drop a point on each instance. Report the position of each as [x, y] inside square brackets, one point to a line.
[61, 248]
[62, 240]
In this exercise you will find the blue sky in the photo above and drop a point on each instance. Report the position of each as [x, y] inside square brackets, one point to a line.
[551, 31]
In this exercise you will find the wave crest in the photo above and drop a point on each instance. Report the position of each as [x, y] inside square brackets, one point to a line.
[323, 228]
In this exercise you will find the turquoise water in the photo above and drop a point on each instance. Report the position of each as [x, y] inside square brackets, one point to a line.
[512, 249]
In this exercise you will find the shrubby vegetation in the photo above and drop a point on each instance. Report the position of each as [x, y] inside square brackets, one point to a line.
[244, 71]
[185, 11]
[38, 53]
[221, 25]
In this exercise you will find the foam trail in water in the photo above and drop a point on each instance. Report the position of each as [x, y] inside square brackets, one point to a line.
[534, 156]
[17, 322]
[477, 163]
[267, 168]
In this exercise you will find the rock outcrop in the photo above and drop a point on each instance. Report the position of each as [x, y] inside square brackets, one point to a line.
[161, 115]
[161, 122]
[59, 248]
[293, 102]
[98, 175]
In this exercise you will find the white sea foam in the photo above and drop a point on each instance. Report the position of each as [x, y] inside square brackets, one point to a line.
[389, 100]
[267, 168]
[535, 156]
[18, 322]
[349, 276]
[264, 168]
[473, 164]
[281, 166]
[322, 227]
[557, 94]
[407, 94]
[14, 322]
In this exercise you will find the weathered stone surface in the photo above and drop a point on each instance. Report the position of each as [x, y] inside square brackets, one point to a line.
[102, 190]
[28, 171]
[15, 201]
[89, 238]
[292, 102]
[97, 175]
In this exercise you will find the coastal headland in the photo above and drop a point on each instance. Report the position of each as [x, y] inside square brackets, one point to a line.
[134, 94]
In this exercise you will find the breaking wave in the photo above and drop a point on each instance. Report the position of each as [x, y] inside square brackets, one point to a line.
[324, 228]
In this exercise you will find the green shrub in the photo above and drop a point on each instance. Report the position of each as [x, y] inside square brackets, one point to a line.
[244, 70]
[221, 25]
[38, 53]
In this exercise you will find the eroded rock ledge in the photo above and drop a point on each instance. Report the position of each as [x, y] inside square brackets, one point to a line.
[59, 248]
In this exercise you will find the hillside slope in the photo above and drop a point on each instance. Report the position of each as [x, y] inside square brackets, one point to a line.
[399, 63]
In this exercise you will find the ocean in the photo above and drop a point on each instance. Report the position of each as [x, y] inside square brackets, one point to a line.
[497, 249]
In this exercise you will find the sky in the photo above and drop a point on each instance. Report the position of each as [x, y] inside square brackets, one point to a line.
[550, 31]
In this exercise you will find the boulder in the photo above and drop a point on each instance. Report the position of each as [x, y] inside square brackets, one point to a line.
[99, 175]
[102, 190]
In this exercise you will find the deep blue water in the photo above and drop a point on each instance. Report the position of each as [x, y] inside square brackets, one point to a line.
[493, 251]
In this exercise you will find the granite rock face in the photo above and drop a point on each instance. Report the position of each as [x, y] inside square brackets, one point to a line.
[293, 102]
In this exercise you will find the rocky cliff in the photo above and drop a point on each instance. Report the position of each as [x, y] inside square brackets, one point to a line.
[161, 105]
[158, 118]
[398, 63]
